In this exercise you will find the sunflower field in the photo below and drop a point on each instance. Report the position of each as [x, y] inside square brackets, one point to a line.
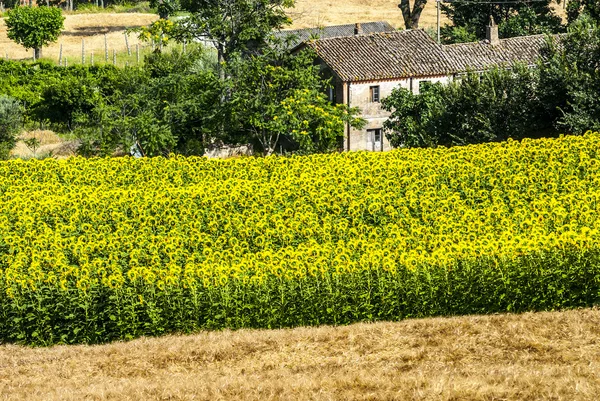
[96, 250]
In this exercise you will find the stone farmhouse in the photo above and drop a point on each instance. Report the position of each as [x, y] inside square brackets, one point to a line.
[366, 67]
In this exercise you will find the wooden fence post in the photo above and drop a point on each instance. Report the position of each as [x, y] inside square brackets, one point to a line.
[127, 44]
[114, 57]
[105, 48]
[60, 55]
[83, 51]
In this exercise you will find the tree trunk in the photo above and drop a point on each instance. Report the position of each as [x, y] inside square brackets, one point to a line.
[37, 53]
[411, 18]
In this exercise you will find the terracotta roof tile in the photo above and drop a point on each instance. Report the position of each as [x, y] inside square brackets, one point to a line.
[482, 55]
[413, 53]
[382, 55]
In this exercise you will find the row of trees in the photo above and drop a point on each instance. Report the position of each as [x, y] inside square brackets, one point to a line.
[178, 103]
[559, 95]
[247, 89]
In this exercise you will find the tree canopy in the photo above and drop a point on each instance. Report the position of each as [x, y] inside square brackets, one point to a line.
[519, 18]
[34, 27]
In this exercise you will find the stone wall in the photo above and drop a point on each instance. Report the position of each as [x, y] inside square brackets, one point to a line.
[360, 96]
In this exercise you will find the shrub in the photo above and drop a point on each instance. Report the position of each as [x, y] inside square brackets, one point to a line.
[10, 123]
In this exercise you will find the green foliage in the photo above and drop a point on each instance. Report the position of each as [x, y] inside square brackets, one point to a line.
[165, 8]
[575, 8]
[276, 99]
[66, 98]
[493, 106]
[234, 26]
[513, 19]
[34, 27]
[458, 34]
[158, 33]
[10, 124]
[570, 76]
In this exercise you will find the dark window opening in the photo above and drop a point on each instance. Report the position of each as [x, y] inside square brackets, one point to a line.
[376, 139]
[374, 94]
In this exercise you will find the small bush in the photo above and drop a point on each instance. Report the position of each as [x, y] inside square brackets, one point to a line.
[11, 118]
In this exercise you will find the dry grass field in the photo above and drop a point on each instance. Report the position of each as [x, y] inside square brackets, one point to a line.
[310, 13]
[91, 28]
[534, 356]
[50, 145]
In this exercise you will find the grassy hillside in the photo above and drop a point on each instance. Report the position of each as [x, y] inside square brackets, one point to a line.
[541, 356]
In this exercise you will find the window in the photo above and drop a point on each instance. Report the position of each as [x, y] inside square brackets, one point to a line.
[331, 94]
[375, 138]
[374, 93]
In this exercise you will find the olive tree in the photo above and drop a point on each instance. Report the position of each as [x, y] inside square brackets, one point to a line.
[34, 27]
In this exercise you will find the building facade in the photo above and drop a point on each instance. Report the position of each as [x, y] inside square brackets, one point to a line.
[366, 68]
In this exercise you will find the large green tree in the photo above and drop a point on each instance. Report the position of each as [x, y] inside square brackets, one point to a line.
[34, 27]
[278, 100]
[514, 18]
[570, 77]
[233, 26]
[493, 106]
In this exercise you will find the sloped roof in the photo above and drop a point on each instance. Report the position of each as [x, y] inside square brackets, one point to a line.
[413, 53]
[382, 55]
[302, 35]
[483, 55]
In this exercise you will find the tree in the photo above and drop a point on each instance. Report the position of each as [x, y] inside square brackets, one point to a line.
[234, 26]
[496, 105]
[278, 99]
[411, 17]
[517, 18]
[577, 7]
[570, 77]
[10, 124]
[413, 122]
[34, 27]
[157, 33]
[165, 7]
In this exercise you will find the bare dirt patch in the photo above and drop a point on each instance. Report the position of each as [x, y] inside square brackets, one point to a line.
[504, 357]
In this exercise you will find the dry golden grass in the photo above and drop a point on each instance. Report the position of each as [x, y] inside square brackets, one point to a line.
[91, 28]
[505, 357]
[309, 13]
[50, 144]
